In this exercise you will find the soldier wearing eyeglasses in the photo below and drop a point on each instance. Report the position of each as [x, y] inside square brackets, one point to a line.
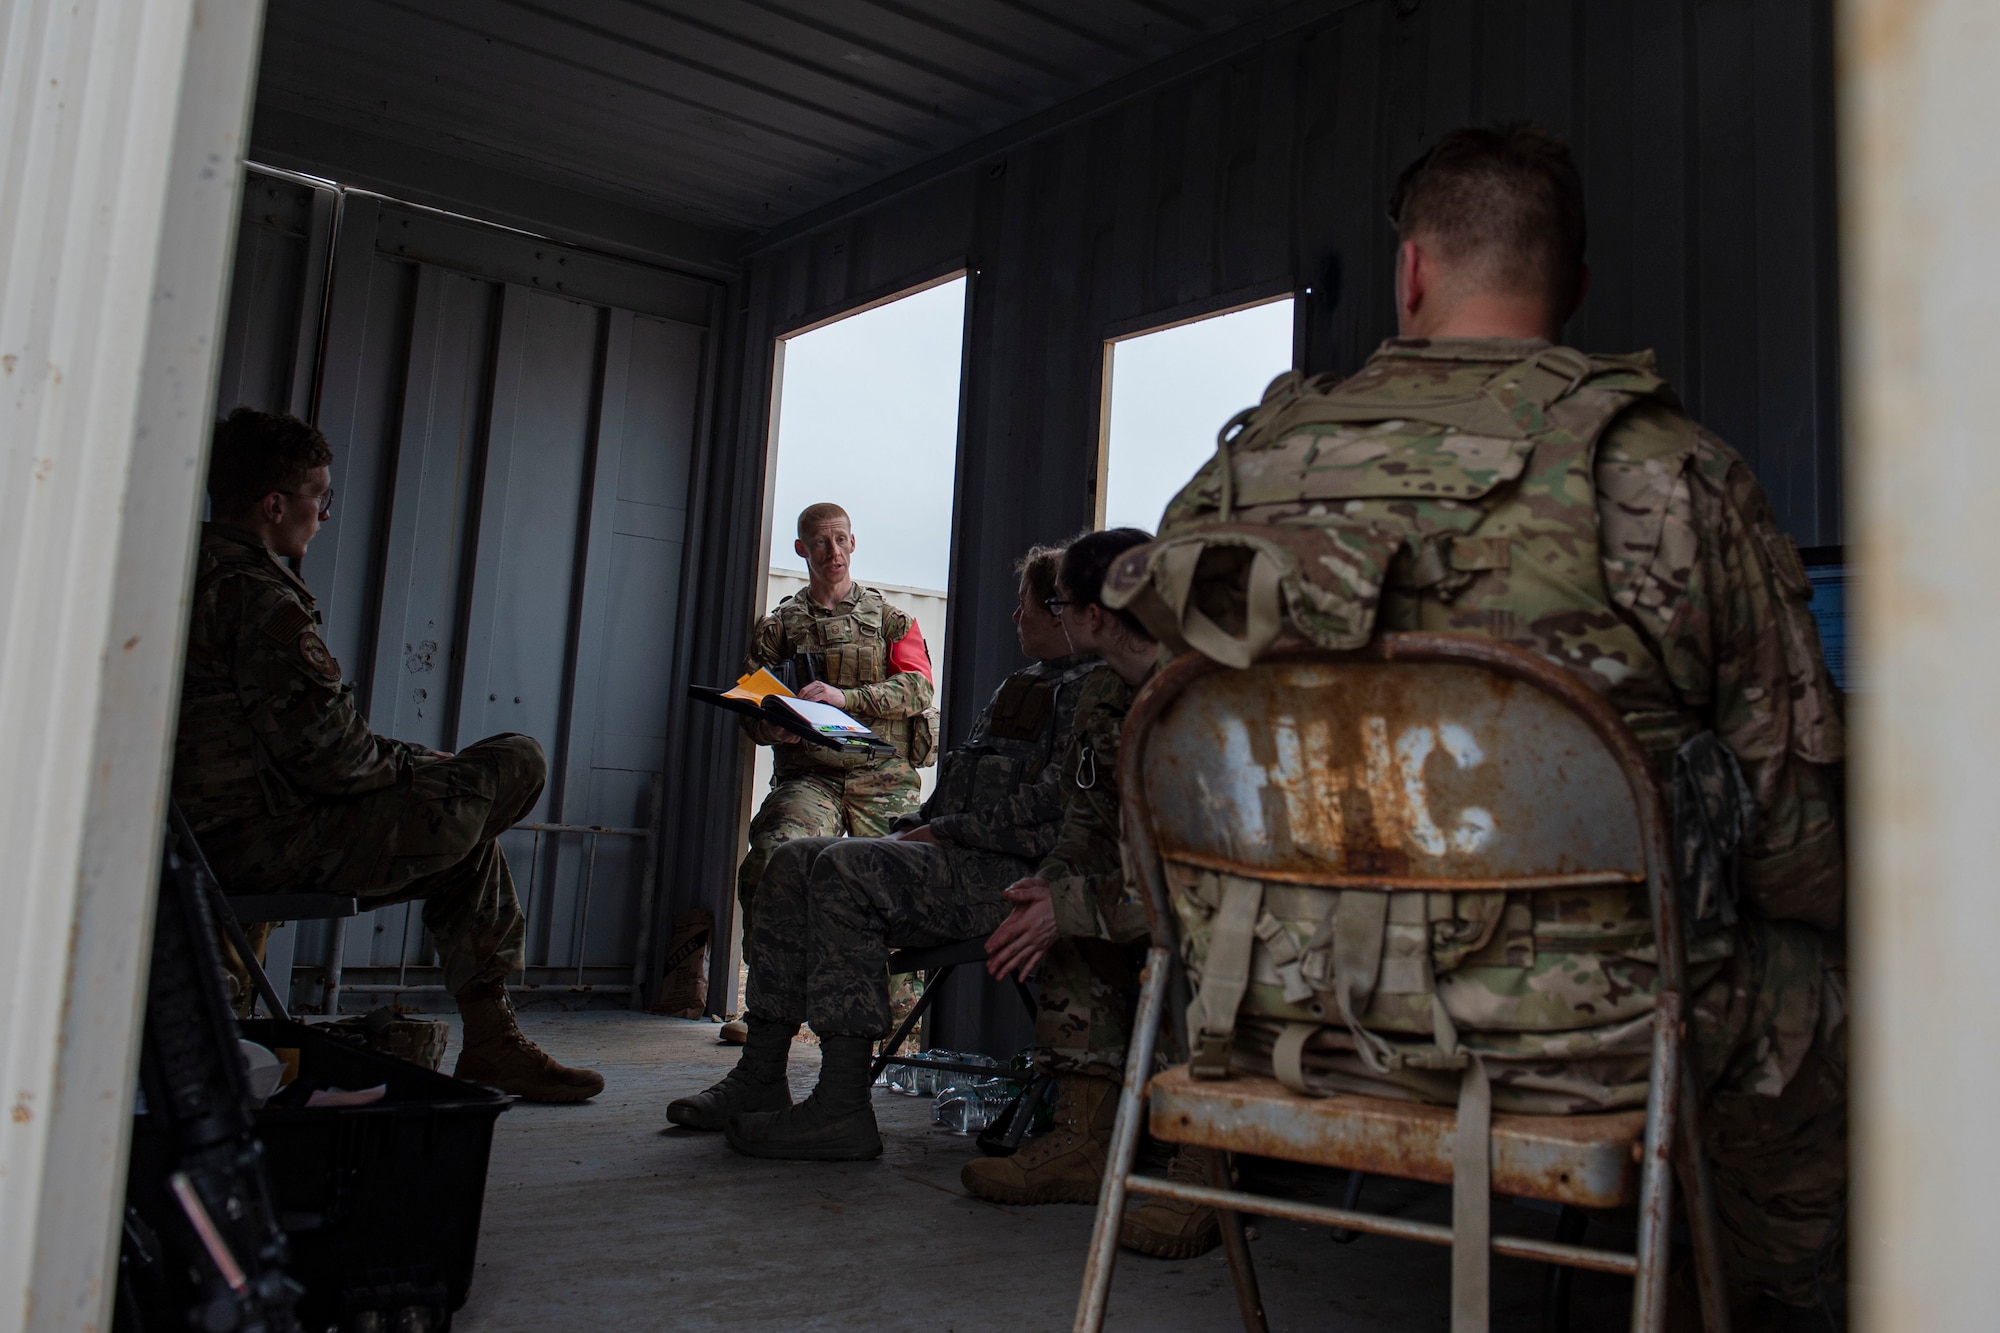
[288, 789]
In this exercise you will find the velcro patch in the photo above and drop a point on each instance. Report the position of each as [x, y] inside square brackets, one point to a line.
[284, 624]
[317, 659]
[1021, 710]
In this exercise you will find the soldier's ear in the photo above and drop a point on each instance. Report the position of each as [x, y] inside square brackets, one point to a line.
[799, 549]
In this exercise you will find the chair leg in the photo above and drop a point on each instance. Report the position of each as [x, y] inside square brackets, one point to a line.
[1698, 1184]
[917, 1011]
[1349, 1201]
[1249, 1301]
[1124, 1144]
[1571, 1223]
[259, 980]
[1656, 1175]
[1024, 1113]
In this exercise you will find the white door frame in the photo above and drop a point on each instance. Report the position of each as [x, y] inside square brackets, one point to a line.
[120, 170]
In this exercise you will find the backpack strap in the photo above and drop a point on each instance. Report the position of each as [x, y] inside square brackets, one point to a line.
[1225, 976]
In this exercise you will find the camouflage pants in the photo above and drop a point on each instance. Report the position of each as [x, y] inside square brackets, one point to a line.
[861, 803]
[831, 909]
[1778, 1145]
[1089, 992]
[433, 838]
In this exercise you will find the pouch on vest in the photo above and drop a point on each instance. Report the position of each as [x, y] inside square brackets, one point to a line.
[923, 748]
[1322, 582]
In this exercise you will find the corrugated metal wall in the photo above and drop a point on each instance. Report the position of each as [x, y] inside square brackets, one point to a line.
[1703, 129]
[515, 430]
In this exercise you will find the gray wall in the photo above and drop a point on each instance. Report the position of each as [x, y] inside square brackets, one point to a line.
[1704, 134]
[515, 427]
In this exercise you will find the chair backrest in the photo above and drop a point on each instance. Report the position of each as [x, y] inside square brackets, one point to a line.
[1423, 762]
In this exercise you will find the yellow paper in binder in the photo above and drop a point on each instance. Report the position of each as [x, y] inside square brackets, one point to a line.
[756, 687]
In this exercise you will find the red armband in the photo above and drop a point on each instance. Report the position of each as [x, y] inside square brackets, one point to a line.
[909, 654]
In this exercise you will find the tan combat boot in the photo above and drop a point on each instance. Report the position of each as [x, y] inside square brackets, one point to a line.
[1168, 1228]
[498, 1056]
[1065, 1165]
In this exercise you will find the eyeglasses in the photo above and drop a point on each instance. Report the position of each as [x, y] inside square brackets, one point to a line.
[1054, 605]
[325, 499]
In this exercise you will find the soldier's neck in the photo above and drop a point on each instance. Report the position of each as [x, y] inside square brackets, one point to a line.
[829, 595]
[1483, 315]
[1132, 658]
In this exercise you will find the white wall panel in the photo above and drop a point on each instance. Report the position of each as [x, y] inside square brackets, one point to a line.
[118, 192]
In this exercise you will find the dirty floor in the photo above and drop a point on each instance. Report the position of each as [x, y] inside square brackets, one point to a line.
[600, 1217]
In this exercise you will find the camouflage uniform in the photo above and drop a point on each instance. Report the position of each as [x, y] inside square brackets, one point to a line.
[1508, 489]
[816, 793]
[1090, 976]
[287, 788]
[830, 909]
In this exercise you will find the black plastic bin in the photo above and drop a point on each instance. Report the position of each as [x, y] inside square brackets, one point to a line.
[381, 1202]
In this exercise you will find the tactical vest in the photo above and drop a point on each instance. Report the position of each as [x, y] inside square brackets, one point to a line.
[1012, 740]
[851, 647]
[1469, 505]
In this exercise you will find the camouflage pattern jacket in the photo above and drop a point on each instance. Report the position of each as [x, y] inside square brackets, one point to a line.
[266, 725]
[1085, 869]
[854, 637]
[1624, 541]
[1564, 503]
[1002, 791]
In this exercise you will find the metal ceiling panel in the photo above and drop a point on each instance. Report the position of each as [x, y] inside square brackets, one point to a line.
[727, 113]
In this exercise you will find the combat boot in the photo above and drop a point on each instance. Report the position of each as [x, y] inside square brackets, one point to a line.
[835, 1124]
[1168, 1228]
[1065, 1165]
[497, 1055]
[757, 1083]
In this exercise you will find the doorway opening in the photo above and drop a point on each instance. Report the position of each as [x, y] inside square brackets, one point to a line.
[1168, 392]
[865, 415]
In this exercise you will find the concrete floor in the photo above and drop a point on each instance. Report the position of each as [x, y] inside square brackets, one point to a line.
[601, 1217]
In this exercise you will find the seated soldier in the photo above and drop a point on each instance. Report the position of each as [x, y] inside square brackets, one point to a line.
[288, 789]
[1620, 539]
[1076, 928]
[829, 910]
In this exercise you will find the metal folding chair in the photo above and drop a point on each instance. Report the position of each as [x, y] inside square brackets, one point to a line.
[235, 911]
[1214, 777]
[937, 964]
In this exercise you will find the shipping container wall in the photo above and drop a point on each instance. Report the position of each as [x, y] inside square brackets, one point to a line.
[515, 428]
[1704, 133]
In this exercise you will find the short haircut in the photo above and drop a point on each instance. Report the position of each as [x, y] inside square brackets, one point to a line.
[1088, 558]
[825, 511]
[256, 453]
[1505, 202]
[1039, 569]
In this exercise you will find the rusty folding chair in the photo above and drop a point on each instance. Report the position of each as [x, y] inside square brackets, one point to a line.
[1511, 775]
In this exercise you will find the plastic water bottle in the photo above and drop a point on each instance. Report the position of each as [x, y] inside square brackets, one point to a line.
[970, 1104]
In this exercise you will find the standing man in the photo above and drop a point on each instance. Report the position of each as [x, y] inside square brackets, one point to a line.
[862, 656]
[288, 789]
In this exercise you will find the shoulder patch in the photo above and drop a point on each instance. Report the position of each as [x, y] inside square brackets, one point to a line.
[286, 621]
[319, 662]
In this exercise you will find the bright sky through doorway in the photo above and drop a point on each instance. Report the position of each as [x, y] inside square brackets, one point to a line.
[1170, 393]
[869, 420]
